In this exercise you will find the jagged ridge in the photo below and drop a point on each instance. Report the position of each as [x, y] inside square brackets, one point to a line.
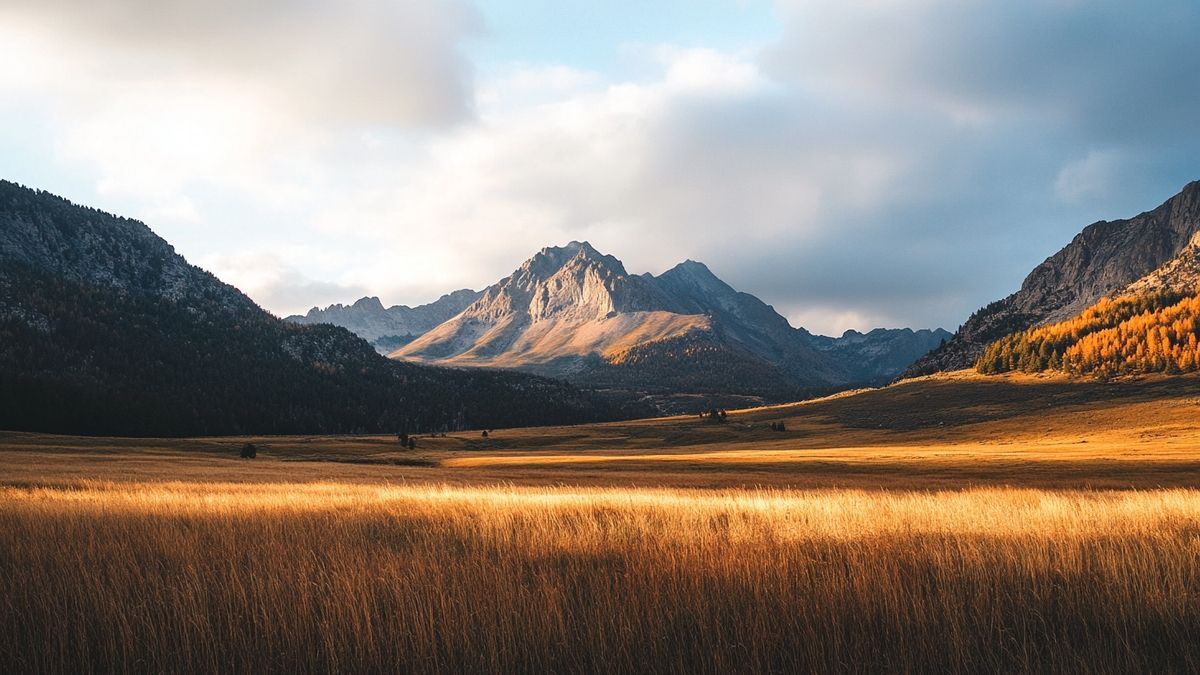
[391, 327]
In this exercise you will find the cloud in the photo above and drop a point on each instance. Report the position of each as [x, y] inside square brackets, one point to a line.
[909, 210]
[160, 98]
[1089, 177]
[378, 62]
[1098, 67]
[804, 202]
[275, 284]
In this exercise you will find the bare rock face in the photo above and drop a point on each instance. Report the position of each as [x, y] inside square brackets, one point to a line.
[1103, 259]
[562, 305]
[876, 356]
[1180, 274]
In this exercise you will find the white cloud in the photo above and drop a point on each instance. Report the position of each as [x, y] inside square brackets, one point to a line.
[653, 171]
[382, 62]
[275, 284]
[160, 98]
[1090, 177]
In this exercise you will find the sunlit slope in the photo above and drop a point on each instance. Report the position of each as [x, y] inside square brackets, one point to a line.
[1154, 333]
[1151, 326]
[549, 340]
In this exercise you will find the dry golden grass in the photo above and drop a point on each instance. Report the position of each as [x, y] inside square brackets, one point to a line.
[1011, 524]
[106, 577]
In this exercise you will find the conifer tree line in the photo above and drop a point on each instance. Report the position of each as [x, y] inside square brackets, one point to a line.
[1155, 333]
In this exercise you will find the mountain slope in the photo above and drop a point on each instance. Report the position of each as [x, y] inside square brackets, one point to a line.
[105, 329]
[1155, 333]
[574, 312]
[1150, 326]
[1101, 260]
[390, 328]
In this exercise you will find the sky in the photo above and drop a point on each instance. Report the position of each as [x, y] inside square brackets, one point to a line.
[854, 164]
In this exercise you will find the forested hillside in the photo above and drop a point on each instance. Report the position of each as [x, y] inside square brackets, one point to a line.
[1154, 333]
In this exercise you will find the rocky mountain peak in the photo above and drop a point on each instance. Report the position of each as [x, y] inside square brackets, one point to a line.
[368, 318]
[572, 311]
[371, 303]
[576, 254]
[574, 282]
[691, 278]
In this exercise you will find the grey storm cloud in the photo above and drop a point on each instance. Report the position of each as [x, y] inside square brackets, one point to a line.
[1098, 66]
[1012, 124]
[376, 62]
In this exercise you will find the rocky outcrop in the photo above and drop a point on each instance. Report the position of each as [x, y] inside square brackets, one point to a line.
[1180, 274]
[560, 308]
[1103, 259]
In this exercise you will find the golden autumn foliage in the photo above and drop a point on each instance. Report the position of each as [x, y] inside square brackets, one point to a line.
[1116, 336]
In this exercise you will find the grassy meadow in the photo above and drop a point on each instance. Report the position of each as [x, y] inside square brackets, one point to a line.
[1006, 526]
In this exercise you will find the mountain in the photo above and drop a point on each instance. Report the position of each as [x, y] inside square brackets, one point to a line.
[387, 329]
[576, 313]
[104, 329]
[1103, 259]
[1150, 326]
[876, 356]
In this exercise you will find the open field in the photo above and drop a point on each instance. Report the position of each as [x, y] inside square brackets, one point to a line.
[944, 433]
[949, 524]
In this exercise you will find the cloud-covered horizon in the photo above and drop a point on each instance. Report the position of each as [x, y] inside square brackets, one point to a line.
[863, 164]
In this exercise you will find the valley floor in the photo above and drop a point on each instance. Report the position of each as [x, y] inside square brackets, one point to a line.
[947, 432]
[946, 524]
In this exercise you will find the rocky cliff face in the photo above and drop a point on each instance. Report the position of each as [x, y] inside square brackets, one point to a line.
[1180, 274]
[389, 328]
[79, 244]
[1101, 260]
[574, 312]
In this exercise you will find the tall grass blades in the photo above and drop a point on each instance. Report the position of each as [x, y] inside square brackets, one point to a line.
[190, 577]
